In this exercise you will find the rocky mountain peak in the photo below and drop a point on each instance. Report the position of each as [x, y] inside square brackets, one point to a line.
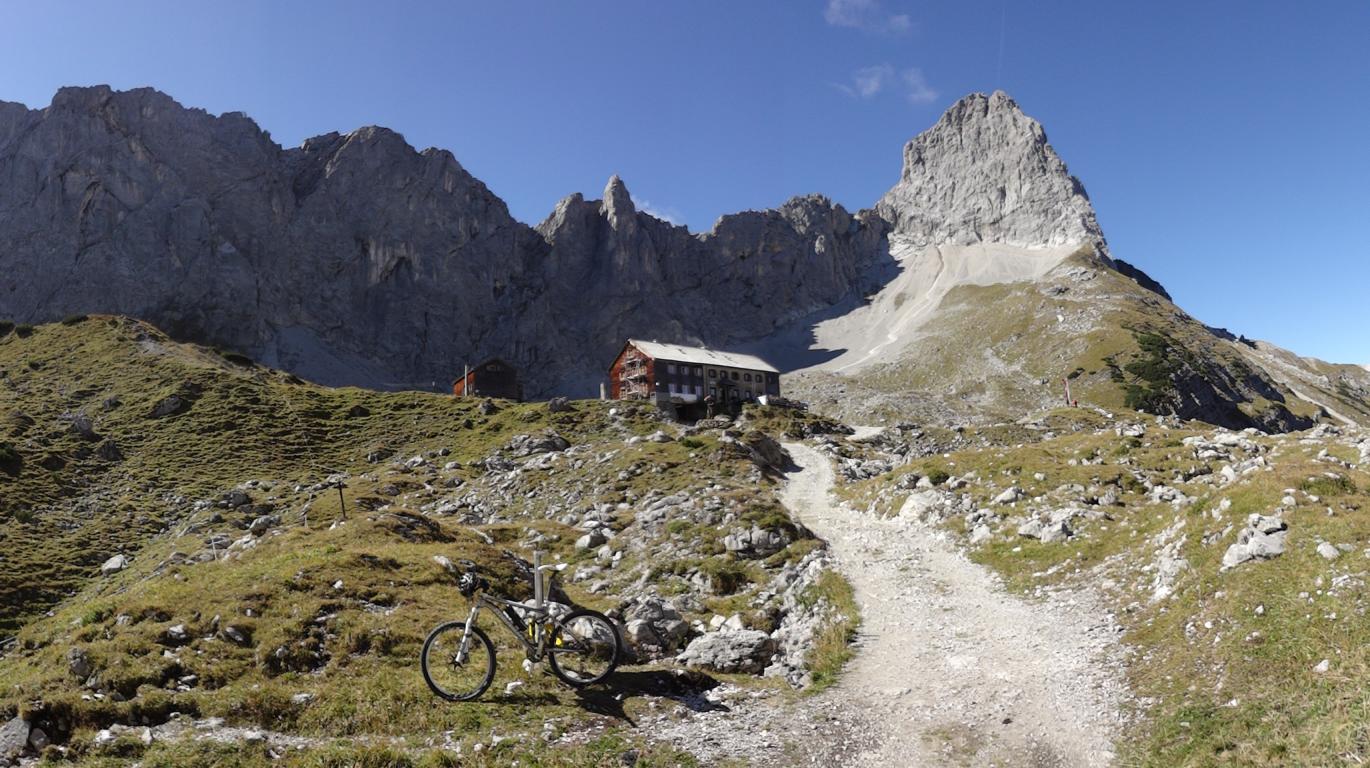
[986, 173]
[618, 204]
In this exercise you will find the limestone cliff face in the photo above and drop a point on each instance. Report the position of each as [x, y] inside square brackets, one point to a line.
[350, 259]
[356, 259]
[985, 173]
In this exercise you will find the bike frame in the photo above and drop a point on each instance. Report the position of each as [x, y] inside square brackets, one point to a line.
[537, 614]
[537, 617]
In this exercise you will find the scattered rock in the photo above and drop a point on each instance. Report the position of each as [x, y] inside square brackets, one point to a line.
[114, 565]
[79, 664]
[263, 524]
[1010, 495]
[83, 428]
[1262, 539]
[170, 406]
[14, 735]
[1328, 551]
[755, 541]
[529, 445]
[238, 635]
[980, 534]
[176, 635]
[109, 451]
[747, 650]
[591, 540]
[38, 740]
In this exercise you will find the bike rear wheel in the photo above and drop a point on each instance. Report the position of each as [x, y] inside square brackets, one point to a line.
[450, 673]
[584, 649]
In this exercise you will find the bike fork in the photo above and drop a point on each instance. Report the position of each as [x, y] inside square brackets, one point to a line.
[465, 647]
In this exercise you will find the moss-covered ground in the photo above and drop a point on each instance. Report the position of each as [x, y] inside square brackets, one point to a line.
[118, 440]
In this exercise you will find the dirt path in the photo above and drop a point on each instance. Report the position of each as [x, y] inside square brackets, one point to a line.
[950, 665]
[950, 669]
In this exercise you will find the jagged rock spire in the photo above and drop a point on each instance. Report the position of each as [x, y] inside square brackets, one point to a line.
[618, 204]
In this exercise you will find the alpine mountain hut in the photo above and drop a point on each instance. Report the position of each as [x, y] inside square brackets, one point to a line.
[690, 378]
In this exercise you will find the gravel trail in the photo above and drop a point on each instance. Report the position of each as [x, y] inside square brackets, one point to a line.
[950, 669]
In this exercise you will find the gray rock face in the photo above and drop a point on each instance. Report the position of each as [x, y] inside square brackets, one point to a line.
[985, 173]
[356, 259]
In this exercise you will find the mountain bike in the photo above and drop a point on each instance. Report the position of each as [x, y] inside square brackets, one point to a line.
[582, 647]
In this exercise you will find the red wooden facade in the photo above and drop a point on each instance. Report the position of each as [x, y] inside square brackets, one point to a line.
[492, 378]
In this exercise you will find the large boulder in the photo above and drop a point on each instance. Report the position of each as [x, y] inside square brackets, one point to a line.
[746, 650]
[653, 626]
[755, 541]
[1263, 538]
[14, 735]
[114, 565]
[529, 445]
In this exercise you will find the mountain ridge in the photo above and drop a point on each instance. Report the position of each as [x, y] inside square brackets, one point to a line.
[357, 259]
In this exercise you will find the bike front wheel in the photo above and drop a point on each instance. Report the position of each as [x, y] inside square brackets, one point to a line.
[452, 673]
[584, 649]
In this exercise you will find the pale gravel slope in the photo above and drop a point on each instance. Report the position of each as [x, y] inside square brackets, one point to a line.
[875, 332]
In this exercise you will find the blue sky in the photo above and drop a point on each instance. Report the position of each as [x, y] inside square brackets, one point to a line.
[1226, 145]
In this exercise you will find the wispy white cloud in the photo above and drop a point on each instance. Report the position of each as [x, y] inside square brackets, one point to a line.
[917, 88]
[867, 16]
[667, 214]
[869, 82]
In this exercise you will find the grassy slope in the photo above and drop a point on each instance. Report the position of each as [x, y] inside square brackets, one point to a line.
[1227, 685]
[1000, 352]
[338, 612]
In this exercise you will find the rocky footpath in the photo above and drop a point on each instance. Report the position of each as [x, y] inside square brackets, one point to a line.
[1213, 551]
[950, 668]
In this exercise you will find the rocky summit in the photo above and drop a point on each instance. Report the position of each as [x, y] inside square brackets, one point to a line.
[985, 173]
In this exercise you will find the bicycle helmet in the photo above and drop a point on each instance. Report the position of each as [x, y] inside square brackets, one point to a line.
[469, 583]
